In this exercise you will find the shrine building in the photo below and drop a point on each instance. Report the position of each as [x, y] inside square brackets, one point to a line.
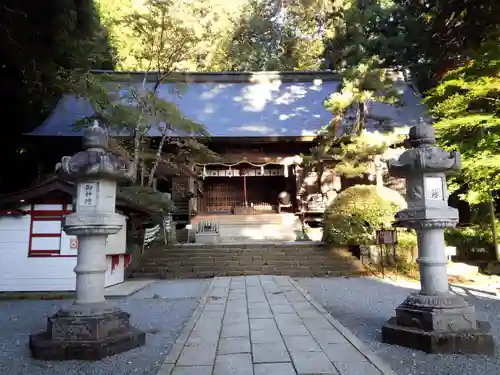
[261, 124]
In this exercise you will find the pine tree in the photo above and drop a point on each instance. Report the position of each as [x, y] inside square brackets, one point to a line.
[352, 51]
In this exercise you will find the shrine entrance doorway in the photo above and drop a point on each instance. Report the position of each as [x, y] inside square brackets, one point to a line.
[246, 190]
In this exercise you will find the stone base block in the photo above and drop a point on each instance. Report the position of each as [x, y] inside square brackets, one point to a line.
[86, 332]
[437, 319]
[43, 347]
[207, 238]
[477, 341]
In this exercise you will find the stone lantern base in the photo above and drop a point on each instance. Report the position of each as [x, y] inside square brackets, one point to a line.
[86, 333]
[439, 324]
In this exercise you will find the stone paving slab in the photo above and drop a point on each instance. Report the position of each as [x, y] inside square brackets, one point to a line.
[266, 325]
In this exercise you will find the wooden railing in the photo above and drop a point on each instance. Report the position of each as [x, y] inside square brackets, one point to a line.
[207, 226]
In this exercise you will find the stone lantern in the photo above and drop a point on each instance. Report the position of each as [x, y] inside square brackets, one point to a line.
[90, 328]
[434, 320]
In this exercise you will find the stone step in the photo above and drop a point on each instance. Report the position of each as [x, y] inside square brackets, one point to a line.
[247, 255]
[246, 272]
[190, 261]
[235, 262]
[259, 219]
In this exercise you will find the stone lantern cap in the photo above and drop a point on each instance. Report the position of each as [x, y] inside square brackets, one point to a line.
[424, 167]
[424, 156]
[95, 162]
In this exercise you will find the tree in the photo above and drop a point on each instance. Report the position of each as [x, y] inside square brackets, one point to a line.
[137, 108]
[356, 157]
[431, 37]
[38, 40]
[466, 105]
[364, 77]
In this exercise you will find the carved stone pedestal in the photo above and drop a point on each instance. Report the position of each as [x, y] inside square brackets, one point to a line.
[91, 333]
[438, 324]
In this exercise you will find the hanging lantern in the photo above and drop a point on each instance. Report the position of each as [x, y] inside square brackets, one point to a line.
[204, 171]
[286, 170]
[230, 172]
[262, 170]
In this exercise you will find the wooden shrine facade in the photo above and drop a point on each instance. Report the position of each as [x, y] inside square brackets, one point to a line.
[249, 177]
[260, 124]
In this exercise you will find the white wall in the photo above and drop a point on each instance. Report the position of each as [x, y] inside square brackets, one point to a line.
[18, 272]
[117, 275]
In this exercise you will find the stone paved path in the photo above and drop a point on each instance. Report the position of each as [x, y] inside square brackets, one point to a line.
[265, 325]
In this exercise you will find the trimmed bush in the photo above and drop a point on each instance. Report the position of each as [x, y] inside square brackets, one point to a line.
[355, 214]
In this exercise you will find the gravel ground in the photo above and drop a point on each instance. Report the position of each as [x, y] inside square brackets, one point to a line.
[363, 305]
[161, 310]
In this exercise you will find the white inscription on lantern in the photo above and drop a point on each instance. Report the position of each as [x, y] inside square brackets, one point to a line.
[88, 195]
[434, 188]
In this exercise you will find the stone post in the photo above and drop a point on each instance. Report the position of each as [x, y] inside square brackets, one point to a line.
[434, 320]
[90, 328]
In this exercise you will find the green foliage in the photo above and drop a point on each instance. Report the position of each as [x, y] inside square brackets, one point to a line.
[147, 197]
[466, 105]
[407, 246]
[355, 214]
[353, 42]
[219, 35]
[474, 236]
[355, 154]
[38, 40]
[270, 35]
[162, 41]
[431, 37]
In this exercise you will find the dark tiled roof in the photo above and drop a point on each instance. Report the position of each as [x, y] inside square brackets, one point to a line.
[248, 108]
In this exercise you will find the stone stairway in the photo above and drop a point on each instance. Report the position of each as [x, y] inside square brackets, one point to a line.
[255, 227]
[300, 259]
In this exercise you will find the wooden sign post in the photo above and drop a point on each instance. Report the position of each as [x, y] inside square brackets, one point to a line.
[386, 238]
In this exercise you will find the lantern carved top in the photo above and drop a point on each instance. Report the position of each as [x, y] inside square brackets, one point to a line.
[95, 162]
[424, 156]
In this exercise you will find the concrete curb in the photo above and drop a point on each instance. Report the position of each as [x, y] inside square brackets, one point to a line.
[476, 289]
[370, 356]
[175, 352]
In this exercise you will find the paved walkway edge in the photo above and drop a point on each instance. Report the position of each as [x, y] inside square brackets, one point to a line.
[126, 288]
[372, 357]
[175, 352]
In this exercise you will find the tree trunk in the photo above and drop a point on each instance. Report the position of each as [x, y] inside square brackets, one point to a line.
[494, 234]
[379, 178]
[157, 157]
[361, 118]
[137, 151]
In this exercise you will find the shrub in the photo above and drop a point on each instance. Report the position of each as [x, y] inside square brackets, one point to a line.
[355, 214]
[407, 247]
[465, 239]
